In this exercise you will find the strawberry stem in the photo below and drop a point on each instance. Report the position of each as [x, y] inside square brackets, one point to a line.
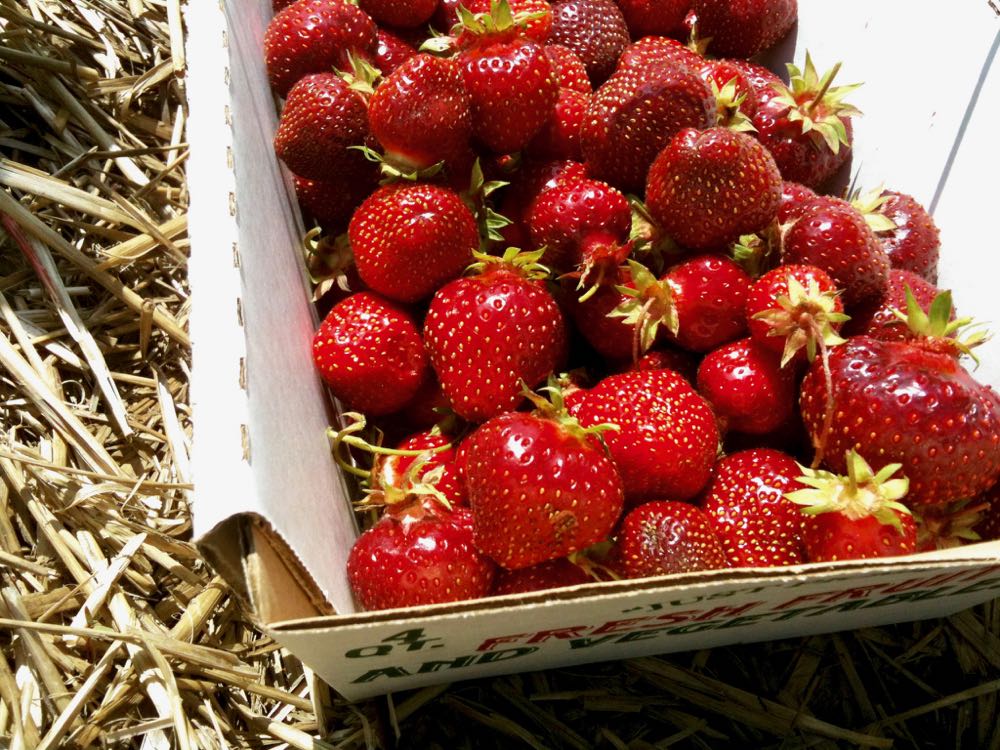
[822, 92]
[824, 353]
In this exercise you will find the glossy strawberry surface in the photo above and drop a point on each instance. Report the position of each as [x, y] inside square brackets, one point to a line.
[664, 537]
[914, 245]
[594, 29]
[742, 28]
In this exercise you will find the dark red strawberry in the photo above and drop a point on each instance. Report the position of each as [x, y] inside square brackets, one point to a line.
[487, 333]
[907, 232]
[833, 236]
[908, 402]
[655, 17]
[747, 387]
[409, 239]
[654, 51]
[988, 527]
[426, 409]
[322, 119]
[662, 358]
[708, 187]
[279, 5]
[635, 114]
[540, 487]
[807, 128]
[858, 516]
[747, 508]
[315, 36]
[559, 138]
[794, 311]
[568, 69]
[667, 439]
[525, 187]
[742, 28]
[421, 113]
[391, 51]
[554, 574]
[666, 537]
[403, 14]
[591, 312]
[369, 352]
[332, 201]
[594, 29]
[953, 524]
[878, 318]
[794, 199]
[406, 564]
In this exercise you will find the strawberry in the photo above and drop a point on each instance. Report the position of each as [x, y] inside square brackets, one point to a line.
[635, 114]
[540, 486]
[833, 236]
[857, 516]
[742, 28]
[332, 201]
[666, 537]
[421, 113]
[794, 199]
[409, 239]
[909, 402]
[391, 51]
[807, 128]
[553, 574]
[591, 314]
[403, 14]
[426, 409]
[953, 524]
[906, 231]
[667, 438]
[525, 187]
[706, 188]
[747, 508]
[568, 69]
[489, 332]
[748, 389]
[594, 29]
[536, 14]
[988, 527]
[654, 51]
[322, 119]
[878, 319]
[559, 137]
[315, 36]
[662, 358]
[396, 472]
[369, 352]
[399, 563]
[723, 73]
[655, 17]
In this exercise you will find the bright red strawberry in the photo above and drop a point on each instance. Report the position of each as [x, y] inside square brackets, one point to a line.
[746, 505]
[655, 17]
[878, 319]
[332, 201]
[747, 387]
[395, 473]
[794, 311]
[794, 199]
[537, 28]
[554, 574]
[988, 527]
[833, 236]
[559, 138]
[421, 113]
[667, 441]
[591, 313]
[708, 187]
[409, 239]
[855, 517]
[403, 14]
[406, 564]
[742, 28]
[568, 69]
[315, 36]
[654, 51]
[540, 487]
[369, 352]
[525, 187]
[594, 29]
[322, 119]
[487, 333]
[910, 237]
[391, 51]
[512, 91]
[807, 128]
[909, 402]
[666, 537]
[635, 114]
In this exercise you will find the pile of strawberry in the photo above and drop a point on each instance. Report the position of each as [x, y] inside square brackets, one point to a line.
[696, 359]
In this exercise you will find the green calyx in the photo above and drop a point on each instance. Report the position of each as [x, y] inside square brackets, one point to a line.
[398, 172]
[348, 437]
[648, 240]
[524, 262]
[327, 261]
[499, 20]
[727, 107]
[805, 317]
[490, 222]
[651, 305]
[869, 205]
[549, 403]
[857, 495]
[757, 253]
[960, 336]
[817, 104]
[951, 527]
[362, 77]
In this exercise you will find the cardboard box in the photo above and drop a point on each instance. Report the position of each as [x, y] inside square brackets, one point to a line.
[271, 510]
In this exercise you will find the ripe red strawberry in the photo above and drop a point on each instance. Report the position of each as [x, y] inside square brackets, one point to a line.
[512, 91]
[591, 314]
[525, 187]
[878, 319]
[405, 564]
[559, 137]
[907, 402]
[554, 574]
[568, 69]
[635, 114]
[706, 188]
[403, 14]
[662, 358]
[655, 17]
[747, 387]
[540, 487]
[391, 51]
[332, 201]
[315, 36]
[723, 73]
[667, 441]
[988, 527]
[747, 508]
[833, 236]
[910, 237]
[807, 128]
[794, 311]
[487, 333]
[666, 537]
[855, 517]
[421, 114]
[537, 28]
[594, 29]
[654, 51]
[394, 474]
[742, 28]
[369, 352]
[409, 239]
[322, 119]
[794, 199]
